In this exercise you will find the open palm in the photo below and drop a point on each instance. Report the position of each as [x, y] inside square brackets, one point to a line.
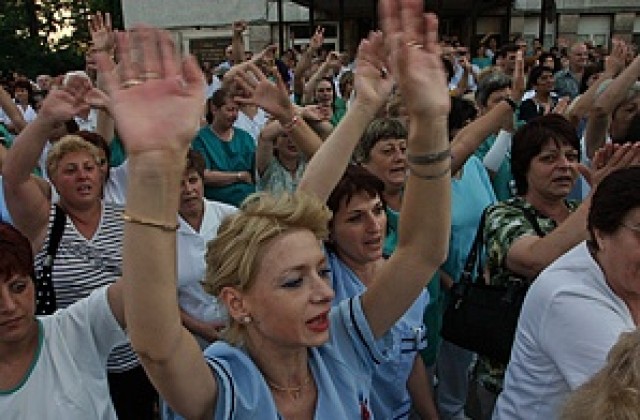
[158, 108]
[412, 42]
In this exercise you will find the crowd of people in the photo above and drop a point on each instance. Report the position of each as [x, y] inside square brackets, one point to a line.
[277, 235]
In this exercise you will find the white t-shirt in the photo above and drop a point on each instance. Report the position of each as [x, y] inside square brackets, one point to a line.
[115, 189]
[88, 124]
[29, 114]
[252, 126]
[569, 321]
[192, 247]
[68, 376]
[210, 89]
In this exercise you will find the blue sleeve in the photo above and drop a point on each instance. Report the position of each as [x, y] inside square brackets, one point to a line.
[350, 328]
[242, 391]
[5, 216]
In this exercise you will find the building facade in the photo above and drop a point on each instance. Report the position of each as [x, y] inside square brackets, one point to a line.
[203, 27]
[588, 20]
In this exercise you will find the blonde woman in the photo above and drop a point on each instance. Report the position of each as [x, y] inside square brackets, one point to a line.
[267, 265]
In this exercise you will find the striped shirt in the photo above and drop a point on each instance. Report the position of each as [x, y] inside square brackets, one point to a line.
[83, 265]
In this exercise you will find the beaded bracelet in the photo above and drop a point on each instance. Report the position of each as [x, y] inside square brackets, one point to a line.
[429, 158]
[152, 223]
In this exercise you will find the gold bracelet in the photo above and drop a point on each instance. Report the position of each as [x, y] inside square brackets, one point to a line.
[152, 223]
[429, 158]
[433, 177]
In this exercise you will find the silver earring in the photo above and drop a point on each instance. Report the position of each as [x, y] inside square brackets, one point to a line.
[246, 319]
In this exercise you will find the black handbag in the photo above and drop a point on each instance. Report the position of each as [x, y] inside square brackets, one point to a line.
[45, 292]
[483, 318]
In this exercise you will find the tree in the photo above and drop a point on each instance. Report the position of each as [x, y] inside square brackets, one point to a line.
[48, 36]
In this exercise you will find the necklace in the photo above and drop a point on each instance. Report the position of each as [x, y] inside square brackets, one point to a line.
[294, 391]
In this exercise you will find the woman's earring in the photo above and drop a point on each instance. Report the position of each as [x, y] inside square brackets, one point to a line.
[246, 319]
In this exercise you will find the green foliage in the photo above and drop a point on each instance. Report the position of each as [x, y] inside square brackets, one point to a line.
[48, 36]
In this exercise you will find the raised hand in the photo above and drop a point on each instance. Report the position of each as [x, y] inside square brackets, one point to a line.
[316, 113]
[615, 62]
[266, 56]
[333, 60]
[372, 81]
[239, 27]
[609, 158]
[518, 78]
[412, 41]
[270, 96]
[61, 105]
[102, 36]
[156, 96]
[316, 41]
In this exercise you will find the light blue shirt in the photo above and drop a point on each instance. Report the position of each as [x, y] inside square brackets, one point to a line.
[390, 397]
[4, 211]
[342, 369]
[469, 196]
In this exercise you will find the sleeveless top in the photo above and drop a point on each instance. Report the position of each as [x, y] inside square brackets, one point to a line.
[83, 265]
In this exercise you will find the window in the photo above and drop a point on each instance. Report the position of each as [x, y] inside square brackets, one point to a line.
[596, 28]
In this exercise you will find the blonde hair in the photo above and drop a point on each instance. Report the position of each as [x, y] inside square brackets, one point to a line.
[614, 392]
[70, 143]
[234, 255]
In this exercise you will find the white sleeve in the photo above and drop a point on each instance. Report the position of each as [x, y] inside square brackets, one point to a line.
[577, 332]
[115, 190]
[494, 157]
[90, 324]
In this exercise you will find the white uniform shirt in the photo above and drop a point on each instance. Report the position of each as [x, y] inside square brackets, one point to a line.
[252, 126]
[68, 376]
[569, 321]
[192, 247]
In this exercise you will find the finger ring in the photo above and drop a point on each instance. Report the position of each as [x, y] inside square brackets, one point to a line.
[384, 72]
[414, 44]
[150, 75]
[130, 83]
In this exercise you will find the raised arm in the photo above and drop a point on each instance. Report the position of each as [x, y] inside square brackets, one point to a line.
[616, 92]
[11, 109]
[26, 200]
[501, 116]
[305, 61]
[274, 99]
[425, 217]
[372, 85]
[157, 139]
[331, 62]
[474, 134]
[237, 43]
[598, 121]
[103, 39]
[583, 103]
[530, 254]
[264, 149]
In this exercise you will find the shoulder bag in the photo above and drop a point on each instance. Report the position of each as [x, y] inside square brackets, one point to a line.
[45, 292]
[482, 317]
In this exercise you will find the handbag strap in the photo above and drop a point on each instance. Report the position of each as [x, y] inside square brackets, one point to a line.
[473, 260]
[45, 292]
[531, 218]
